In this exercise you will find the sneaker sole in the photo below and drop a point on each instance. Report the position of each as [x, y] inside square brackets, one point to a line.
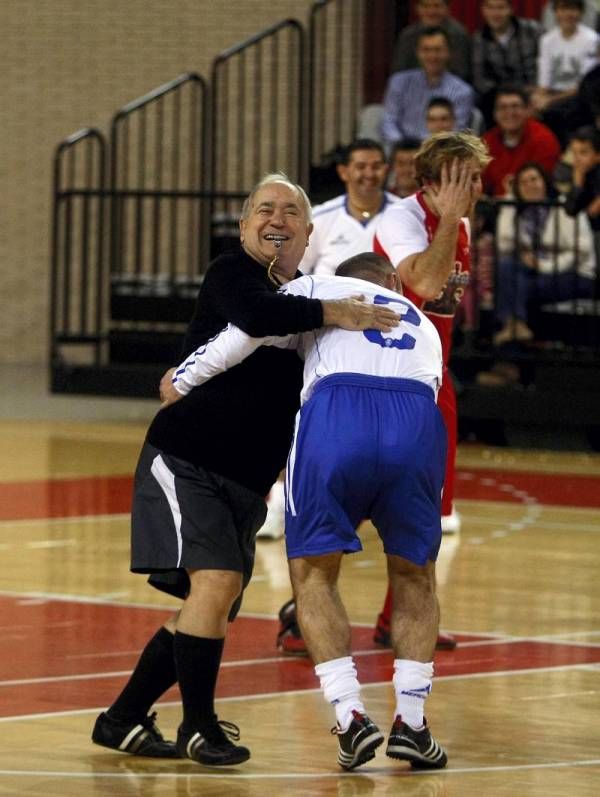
[416, 760]
[239, 758]
[363, 753]
[218, 764]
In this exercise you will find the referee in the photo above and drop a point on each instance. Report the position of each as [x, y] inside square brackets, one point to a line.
[206, 465]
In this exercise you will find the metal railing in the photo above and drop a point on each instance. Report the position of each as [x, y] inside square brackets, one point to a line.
[258, 115]
[158, 182]
[79, 224]
[336, 74]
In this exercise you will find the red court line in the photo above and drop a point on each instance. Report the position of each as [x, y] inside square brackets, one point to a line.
[105, 495]
[63, 638]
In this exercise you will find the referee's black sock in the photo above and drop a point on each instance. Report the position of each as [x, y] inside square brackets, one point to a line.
[197, 660]
[154, 674]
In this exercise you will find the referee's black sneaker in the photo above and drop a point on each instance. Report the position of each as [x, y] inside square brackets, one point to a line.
[359, 742]
[141, 738]
[212, 745]
[417, 747]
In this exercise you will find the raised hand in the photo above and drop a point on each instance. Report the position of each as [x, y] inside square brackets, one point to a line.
[453, 197]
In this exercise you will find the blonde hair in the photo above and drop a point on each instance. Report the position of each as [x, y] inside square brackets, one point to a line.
[443, 148]
[278, 177]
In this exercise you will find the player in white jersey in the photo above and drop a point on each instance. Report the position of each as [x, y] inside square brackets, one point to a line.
[369, 443]
[344, 226]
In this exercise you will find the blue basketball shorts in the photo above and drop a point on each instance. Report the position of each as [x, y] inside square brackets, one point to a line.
[366, 447]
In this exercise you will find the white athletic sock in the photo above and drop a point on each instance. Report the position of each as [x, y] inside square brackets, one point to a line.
[412, 684]
[341, 688]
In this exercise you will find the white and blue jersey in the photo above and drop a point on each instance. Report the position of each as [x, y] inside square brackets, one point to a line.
[412, 350]
[369, 440]
[337, 235]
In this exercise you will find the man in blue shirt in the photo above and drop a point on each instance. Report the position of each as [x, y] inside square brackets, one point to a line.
[408, 92]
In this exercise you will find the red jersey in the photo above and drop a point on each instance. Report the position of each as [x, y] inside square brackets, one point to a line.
[407, 228]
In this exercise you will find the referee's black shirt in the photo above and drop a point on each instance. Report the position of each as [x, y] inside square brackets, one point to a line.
[240, 423]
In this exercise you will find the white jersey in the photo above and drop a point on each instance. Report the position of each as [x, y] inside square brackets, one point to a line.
[337, 235]
[402, 229]
[412, 350]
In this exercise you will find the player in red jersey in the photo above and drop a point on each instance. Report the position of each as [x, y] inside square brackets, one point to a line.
[427, 237]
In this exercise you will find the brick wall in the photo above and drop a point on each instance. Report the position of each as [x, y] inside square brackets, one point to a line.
[68, 64]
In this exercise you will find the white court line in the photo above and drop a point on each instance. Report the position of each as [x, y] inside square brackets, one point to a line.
[279, 659]
[118, 673]
[316, 690]
[590, 762]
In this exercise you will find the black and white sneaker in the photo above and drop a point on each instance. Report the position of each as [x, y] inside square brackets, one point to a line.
[418, 747]
[359, 742]
[142, 738]
[213, 744]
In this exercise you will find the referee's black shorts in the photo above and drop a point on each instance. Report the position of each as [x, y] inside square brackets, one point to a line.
[187, 518]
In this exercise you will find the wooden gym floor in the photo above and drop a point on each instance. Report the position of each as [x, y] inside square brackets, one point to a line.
[516, 705]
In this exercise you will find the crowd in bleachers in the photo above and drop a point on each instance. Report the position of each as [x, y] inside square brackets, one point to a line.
[531, 89]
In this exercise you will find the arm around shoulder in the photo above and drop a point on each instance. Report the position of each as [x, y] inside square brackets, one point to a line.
[246, 301]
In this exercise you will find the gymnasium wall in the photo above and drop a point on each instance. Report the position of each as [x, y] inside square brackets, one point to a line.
[68, 64]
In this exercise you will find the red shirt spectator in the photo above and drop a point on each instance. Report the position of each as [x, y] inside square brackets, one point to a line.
[515, 140]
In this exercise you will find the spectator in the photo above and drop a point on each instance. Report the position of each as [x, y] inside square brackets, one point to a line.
[440, 116]
[581, 149]
[591, 15]
[403, 173]
[344, 226]
[543, 255]
[434, 13]
[515, 140]
[585, 193]
[504, 51]
[408, 93]
[567, 53]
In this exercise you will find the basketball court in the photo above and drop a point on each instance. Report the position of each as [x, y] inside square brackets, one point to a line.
[516, 705]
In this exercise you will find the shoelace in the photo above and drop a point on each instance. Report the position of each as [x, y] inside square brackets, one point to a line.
[148, 723]
[230, 730]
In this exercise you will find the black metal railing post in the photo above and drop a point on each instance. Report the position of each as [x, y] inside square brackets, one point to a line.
[257, 114]
[73, 262]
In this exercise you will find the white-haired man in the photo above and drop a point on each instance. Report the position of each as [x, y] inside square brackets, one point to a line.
[206, 465]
